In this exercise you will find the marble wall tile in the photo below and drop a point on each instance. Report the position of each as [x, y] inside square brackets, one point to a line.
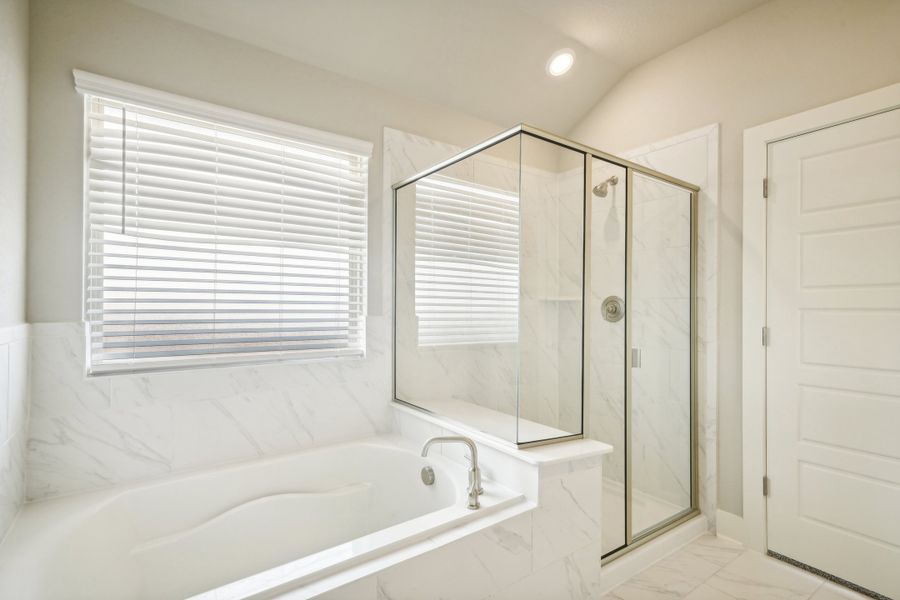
[272, 422]
[73, 452]
[88, 433]
[133, 391]
[468, 569]
[59, 384]
[569, 515]
[208, 432]
[414, 428]
[573, 577]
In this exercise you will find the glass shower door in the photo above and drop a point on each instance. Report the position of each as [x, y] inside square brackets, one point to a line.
[660, 353]
[640, 350]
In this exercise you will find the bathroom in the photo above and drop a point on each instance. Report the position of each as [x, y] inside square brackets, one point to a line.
[474, 300]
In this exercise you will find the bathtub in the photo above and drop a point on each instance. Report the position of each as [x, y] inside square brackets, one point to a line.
[238, 531]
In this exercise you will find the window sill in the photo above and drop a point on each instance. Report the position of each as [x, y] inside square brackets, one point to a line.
[238, 362]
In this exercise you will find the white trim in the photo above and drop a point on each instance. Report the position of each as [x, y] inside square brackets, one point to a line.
[13, 333]
[106, 87]
[710, 131]
[729, 525]
[756, 141]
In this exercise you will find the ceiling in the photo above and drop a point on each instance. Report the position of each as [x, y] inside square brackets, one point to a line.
[483, 57]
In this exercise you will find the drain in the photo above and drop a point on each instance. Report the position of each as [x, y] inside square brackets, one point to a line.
[427, 475]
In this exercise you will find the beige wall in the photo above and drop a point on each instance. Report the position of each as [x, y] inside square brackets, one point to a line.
[13, 150]
[120, 40]
[781, 58]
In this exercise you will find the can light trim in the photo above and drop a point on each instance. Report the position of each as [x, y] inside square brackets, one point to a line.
[560, 62]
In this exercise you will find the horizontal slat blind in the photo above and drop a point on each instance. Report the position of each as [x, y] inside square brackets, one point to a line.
[467, 263]
[210, 243]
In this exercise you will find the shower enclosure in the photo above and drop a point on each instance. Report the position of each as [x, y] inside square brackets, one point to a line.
[544, 291]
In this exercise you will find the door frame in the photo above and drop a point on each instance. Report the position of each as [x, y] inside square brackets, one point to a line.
[756, 144]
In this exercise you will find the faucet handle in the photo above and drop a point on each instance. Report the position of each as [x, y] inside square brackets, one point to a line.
[475, 480]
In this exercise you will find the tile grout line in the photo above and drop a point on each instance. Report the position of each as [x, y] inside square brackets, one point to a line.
[718, 569]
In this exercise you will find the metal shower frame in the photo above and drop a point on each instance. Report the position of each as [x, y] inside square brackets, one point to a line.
[631, 541]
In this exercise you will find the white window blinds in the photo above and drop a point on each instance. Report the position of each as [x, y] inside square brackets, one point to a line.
[208, 242]
[466, 263]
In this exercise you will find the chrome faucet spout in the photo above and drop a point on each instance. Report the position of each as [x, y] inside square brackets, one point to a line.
[475, 488]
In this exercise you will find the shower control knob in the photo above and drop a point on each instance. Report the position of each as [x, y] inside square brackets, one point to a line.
[613, 309]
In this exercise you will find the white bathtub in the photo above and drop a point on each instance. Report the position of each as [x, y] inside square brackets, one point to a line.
[280, 522]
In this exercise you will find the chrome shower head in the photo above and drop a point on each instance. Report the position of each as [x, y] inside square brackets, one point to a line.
[601, 190]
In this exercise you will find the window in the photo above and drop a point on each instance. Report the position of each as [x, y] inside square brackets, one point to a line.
[467, 263]
[210, 242]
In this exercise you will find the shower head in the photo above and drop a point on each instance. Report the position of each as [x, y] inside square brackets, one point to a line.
[601, 190]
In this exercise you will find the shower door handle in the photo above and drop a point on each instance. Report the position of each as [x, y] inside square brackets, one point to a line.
[635, 358]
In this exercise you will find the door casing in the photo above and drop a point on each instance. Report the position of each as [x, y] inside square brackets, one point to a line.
[752, 529]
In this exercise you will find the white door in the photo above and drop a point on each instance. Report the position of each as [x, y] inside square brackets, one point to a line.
[833, 355]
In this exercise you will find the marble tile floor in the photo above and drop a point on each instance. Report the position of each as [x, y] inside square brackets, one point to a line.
[713, 568]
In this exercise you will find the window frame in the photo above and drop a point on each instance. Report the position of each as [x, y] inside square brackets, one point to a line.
[90, 86]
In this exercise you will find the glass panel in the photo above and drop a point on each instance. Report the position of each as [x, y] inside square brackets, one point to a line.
[457, 291]
[660, 306]
[552, 283]
[606, 409]
[489, 292]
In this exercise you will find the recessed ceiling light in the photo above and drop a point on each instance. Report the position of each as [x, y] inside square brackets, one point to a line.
[560, 62]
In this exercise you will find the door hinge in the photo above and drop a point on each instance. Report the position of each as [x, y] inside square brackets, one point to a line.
[765, 187]
[765, 336]
[765, 486]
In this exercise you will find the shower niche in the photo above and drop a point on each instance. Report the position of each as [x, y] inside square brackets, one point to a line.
[543, 292]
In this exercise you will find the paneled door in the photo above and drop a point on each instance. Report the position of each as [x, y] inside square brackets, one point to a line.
[833, 350]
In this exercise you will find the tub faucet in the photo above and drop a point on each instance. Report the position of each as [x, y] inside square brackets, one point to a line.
[475, 488]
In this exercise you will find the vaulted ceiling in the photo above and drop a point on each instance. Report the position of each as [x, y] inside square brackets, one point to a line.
[483, 57]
